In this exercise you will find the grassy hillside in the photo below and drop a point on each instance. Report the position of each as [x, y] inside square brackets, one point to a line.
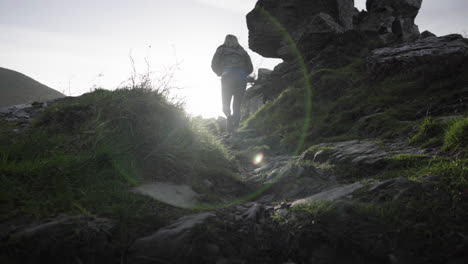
[84, 154]
[17, 88]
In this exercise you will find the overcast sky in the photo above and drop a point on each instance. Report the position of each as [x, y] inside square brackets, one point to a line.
[72, 46]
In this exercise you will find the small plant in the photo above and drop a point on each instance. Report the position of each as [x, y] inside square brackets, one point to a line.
[406, 160]
[428, 133]
[310, 153]
[456, 136]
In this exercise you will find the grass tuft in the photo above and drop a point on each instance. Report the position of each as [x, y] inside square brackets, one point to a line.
[456, 136]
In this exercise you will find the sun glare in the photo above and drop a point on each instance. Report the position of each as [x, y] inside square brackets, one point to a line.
[258, 158]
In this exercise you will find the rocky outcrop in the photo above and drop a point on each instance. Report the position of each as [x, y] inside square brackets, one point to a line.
[272, 22]
[449, 51]
[277, 28]
[311, 35]
[393, 20]
[25, 114]
[427, 34]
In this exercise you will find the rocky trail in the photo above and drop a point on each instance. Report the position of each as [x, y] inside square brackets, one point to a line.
[249, 232]
[267, 223]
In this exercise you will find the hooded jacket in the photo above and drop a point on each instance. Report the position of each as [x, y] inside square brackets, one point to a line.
[227, 57]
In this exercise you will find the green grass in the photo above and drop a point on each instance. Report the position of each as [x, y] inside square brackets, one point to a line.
[456, 136]
[428, 133]
[84, 155]
[451, 136]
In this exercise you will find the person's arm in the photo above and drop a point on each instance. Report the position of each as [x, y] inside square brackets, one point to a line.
[216, 62]
[248, 64]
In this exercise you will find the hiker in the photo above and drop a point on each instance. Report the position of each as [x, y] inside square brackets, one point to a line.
[233, 64]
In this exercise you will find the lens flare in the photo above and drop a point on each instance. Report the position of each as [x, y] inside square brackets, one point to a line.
[258, 158]
[304, 70]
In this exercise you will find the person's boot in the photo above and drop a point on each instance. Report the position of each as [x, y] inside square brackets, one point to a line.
[229, 124]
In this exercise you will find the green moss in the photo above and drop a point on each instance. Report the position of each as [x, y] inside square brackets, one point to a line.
[314, 209]
[406, 161]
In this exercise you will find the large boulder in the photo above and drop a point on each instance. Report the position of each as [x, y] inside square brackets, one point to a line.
[393, 20]
[176, 243]
[436, 53]
[273, 25]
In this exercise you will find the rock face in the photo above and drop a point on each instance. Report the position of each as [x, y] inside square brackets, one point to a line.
[272, 21]
[436, 52]
[25, 114]
[392, 19]
[310, 35]
[277, 27]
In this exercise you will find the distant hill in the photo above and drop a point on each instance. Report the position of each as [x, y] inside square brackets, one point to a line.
[17, 88]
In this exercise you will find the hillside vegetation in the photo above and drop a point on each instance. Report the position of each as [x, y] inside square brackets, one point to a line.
[84, 154]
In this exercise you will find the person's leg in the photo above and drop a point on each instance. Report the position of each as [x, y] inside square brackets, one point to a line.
[227, 94]
[237, 102]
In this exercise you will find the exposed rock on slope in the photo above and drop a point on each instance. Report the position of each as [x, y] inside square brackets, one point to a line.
[17, 88]
[448, 52]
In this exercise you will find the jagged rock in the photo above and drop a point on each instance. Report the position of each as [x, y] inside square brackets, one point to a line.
[177, 195]
[363, 153]
[66, 239]
[253, 100]
[254, 213]
[174, 243]
[447, 51]
[254, 97]
[392, 19]
[427, 34]
[332, 194]
[271, 21]
[264, 74]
